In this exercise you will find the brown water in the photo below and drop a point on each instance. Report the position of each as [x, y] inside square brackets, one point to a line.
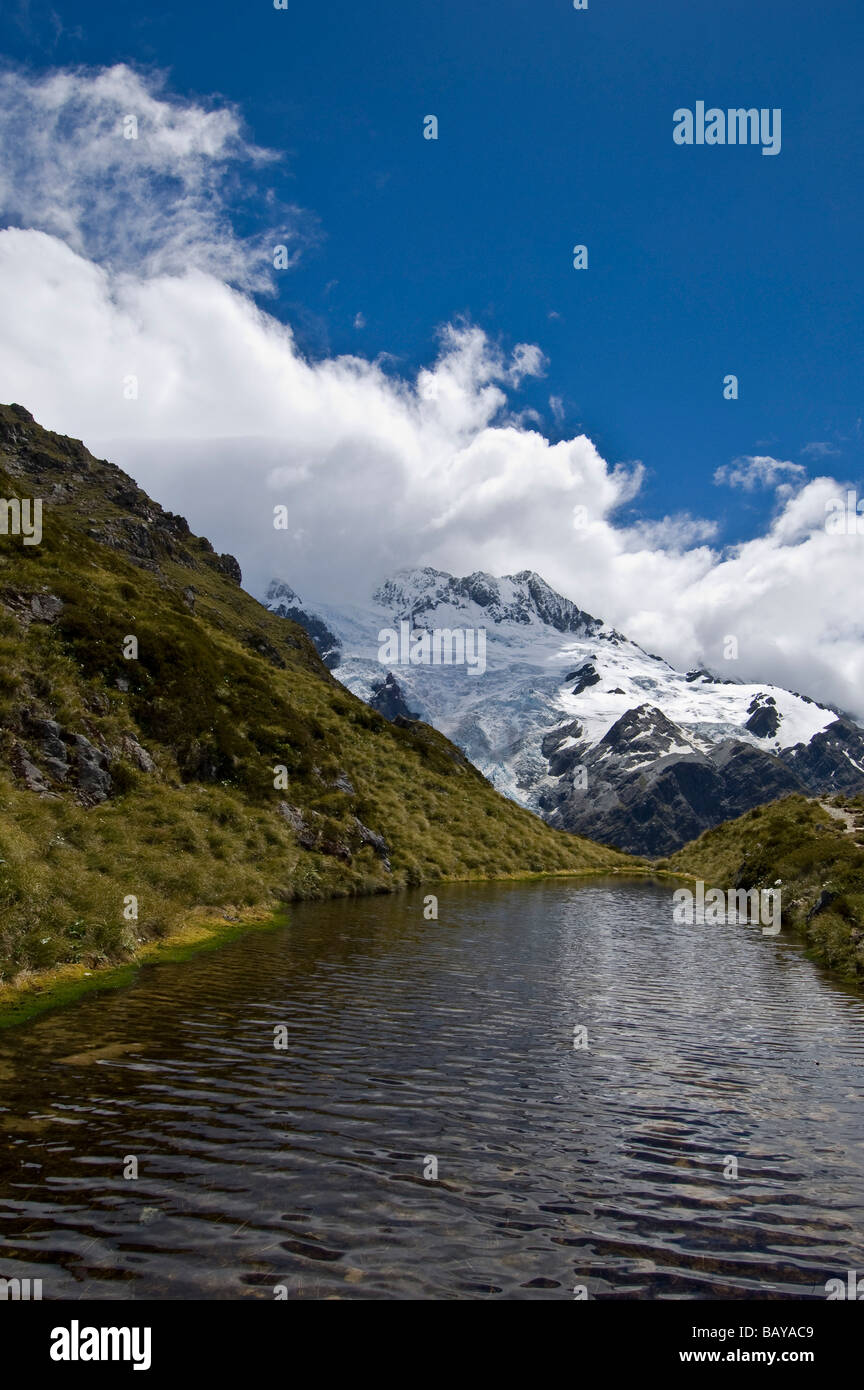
[410, 1039]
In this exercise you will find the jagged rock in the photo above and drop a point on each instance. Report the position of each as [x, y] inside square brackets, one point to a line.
[308, 831]
[227, 565]
[94, 780]
[586, 676]
[389, 700]
[307, 837]
[706, 677]
[176, 525]
[138, 541]
[343, 784]
[131, 499]
[53, 750]
[552, 741]
[650, 789]
[28, 772]
[377, 842]
[764, 718]
[518, 598]
[833, 760]
[46, 608]
[282, 600]
[189, 594]
[131, 748]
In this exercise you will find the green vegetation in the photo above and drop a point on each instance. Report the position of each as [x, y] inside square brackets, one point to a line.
[819, 859]
[188, 736]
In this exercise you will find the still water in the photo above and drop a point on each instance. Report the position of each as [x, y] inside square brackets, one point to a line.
[451, 1040]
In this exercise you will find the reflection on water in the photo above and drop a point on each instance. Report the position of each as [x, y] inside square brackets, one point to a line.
[409, 1040]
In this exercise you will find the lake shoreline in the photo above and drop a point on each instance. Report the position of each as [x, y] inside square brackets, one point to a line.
[37, 992]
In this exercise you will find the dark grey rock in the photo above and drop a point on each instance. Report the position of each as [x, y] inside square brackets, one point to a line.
[93, 777]
[131, 748]
[377, 842]
[28, 772]
[645, 796]
[388, 699]
[230, 567]
[765, 718]
[833, 760]
[586, 676]
[46, 608]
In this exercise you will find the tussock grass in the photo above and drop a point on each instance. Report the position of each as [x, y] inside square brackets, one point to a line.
[820, 864]
[218, 697]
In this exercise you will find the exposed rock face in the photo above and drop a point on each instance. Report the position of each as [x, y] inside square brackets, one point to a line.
[833, 760]
[94, 780]
[132, 749]
[282, 600]
[54, 755]
[28, 772]
[46, 608]
[310, 833]
[40, 607]
[230, 567]
[573, 720]
[378, 843]
[300, 823]
[518, 598]
[586, 676]
[66, 759]
[389, 700]
[764, 718]
[647, 784]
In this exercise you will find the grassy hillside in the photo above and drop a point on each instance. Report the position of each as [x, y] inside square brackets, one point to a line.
[154, 777]
[818, 856]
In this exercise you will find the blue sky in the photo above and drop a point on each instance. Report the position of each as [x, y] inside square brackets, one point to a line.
[555, 128]
[432, 382]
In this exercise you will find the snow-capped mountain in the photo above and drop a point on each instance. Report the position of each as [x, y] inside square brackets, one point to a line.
[572, 719]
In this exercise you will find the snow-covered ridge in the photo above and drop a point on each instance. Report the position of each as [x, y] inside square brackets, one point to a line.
[550, 668]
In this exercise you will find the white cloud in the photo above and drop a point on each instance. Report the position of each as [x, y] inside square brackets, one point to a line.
[758, 471]
[819, 449]
[377, 469]
[132, 178]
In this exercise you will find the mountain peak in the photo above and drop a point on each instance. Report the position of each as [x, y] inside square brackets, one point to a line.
[522, 598]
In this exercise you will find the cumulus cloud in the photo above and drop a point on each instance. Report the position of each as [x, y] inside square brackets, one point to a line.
[377, 469]
[758, 471]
